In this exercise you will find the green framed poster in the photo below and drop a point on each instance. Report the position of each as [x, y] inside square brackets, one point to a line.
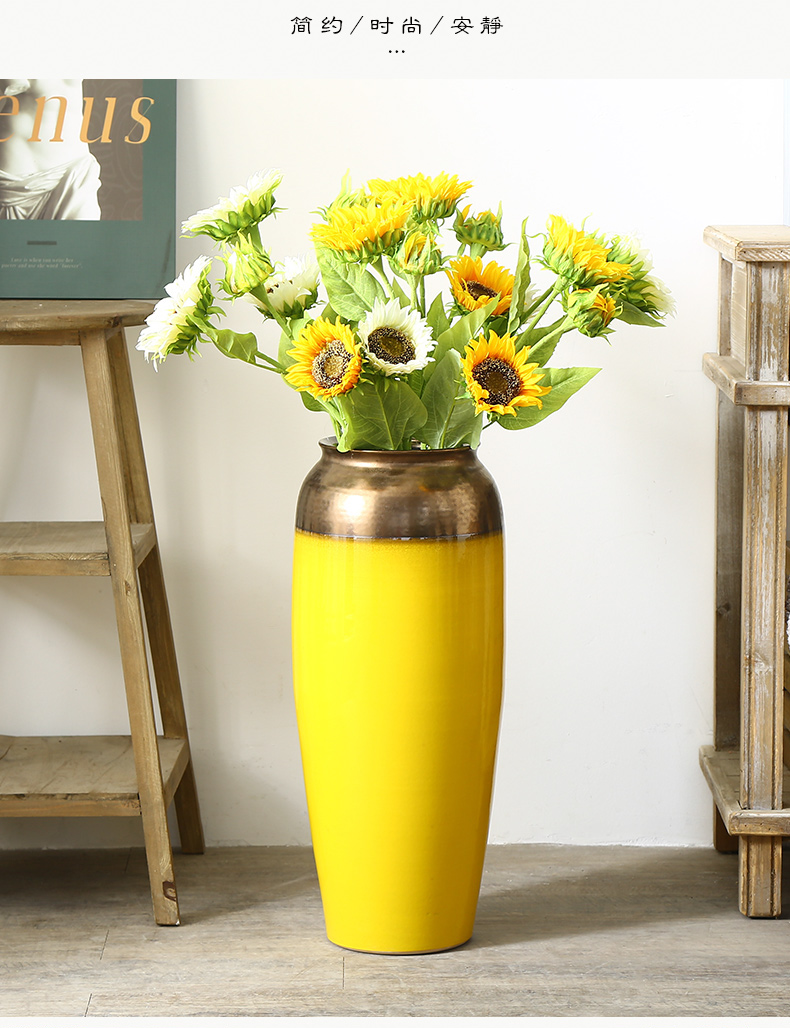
[87, 188]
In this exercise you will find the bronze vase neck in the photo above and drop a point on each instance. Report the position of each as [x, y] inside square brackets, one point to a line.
[398, 494]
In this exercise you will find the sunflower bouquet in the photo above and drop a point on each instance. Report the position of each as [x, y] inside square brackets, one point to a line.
[396, 364]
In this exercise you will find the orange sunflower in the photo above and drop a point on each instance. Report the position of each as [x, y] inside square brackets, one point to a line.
[473, 285]
[327, 360]
[499, 379]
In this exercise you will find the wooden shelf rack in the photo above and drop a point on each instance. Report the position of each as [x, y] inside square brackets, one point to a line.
[138, 775]
[745, 766]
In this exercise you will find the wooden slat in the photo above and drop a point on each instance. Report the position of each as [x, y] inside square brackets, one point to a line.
[786, 712]
[56, 337]
[750, 242]
[78, 776]
[729, 375]
[763, 585]
[63, 547]
[738, 310]
[729, 534]
[722, 772]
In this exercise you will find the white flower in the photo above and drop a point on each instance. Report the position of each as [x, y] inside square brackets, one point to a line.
[245, 207]
[658, 293]
[395, 339]
[171, 328]
[293, 288]
[631, 250]
[259, 189]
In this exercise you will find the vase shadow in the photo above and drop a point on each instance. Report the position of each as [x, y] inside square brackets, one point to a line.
[537, 892]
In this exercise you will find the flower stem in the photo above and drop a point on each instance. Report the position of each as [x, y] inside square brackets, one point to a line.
[253, 234]
[262, 296]
[545, 302]
[378, 267]
[536, 303]
[271, 363]
[413, 284]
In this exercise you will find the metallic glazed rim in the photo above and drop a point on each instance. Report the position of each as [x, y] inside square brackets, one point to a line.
[461, 503]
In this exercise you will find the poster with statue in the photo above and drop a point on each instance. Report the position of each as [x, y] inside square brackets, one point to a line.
[87, 188]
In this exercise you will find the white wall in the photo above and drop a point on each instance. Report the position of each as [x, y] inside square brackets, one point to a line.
[609, 504]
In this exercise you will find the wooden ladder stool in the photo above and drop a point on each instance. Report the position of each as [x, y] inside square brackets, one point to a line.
[745, 766]
[140, 774]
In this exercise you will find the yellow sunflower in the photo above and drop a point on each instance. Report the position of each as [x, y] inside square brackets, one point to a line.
[433, 198]
[579, 257]
[363, 229]
[327, 359]
[474, 285]
[498, 378]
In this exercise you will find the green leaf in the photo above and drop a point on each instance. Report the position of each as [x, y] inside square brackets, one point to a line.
[416, 380]
[350, 288]
[383, 414]
[439, 397]
[287, 341]
[436, 317]
[564, 383]
[451, 419]
[311, 402]
[633, 316]
[399, 294]
[465, 425]
[242, 347]
[459, 335]
[521, 280]
[542, 347]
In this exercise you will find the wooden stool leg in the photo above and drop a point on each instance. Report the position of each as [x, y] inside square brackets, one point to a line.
[163, 658]
[154, 599]
[107, 436]
[765, 503]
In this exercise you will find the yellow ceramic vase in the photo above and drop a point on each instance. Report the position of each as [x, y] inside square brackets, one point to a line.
[397, 649]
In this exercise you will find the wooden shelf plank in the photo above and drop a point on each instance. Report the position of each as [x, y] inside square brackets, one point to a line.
[63, 547]
[723, 774]
[750, 242]
[52, 322]
[729, 375]
[79, 776]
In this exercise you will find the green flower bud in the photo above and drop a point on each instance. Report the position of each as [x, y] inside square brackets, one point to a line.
[245, 270]
[482, 232]
[418, 254]
[591, 311]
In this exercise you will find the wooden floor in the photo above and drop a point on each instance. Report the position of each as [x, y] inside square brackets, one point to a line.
[561, 931]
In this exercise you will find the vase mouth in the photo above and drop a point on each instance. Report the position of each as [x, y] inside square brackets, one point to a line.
[329, 447]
